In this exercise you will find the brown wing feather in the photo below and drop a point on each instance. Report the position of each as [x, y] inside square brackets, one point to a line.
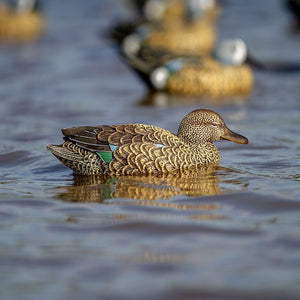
[157, 135]
[99, 138]
[85, 137]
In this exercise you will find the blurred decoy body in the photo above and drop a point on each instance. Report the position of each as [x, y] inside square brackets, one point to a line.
[207, 77]
[136, 149]
[188, 32]
[20, 23]
[173, 10]
[226, 75]
[196, 38]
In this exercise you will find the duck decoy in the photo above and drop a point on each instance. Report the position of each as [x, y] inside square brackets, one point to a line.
[223, 75]
[137, 149]
[21, 22]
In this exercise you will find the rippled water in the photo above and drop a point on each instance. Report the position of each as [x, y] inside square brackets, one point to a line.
[230, 232]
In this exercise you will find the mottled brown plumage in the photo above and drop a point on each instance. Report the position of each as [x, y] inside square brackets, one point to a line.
[135, 149]
[197, 38]
[176, 25]
[210, 78]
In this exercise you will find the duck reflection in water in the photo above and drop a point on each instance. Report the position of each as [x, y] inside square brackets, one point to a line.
[201, 181]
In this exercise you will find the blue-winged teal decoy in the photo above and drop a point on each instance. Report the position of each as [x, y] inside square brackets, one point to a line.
[136, 149]
[221, 76]
[21, 23]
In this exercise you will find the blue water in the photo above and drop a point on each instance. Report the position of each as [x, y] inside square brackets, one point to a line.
[231, 232]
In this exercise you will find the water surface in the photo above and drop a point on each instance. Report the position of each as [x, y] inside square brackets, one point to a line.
[230, 231]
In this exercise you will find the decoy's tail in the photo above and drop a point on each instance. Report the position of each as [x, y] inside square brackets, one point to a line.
[63, 154]
[77, 159]
[275, 66]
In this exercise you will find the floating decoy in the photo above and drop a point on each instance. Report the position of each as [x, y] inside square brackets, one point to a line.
[226, 75]
[23, 22]
[136, 149]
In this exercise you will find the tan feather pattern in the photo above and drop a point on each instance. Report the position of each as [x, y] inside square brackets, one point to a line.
[211, 79]
[79, 160]
[197, 38]
[136, 149]
[124, 134]
[154, 160]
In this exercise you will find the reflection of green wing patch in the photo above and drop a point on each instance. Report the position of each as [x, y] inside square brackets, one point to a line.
[106, 156]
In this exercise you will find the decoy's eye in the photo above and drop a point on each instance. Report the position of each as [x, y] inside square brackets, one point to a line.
[214, 124]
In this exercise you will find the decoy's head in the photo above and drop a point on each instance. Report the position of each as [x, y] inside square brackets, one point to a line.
[203, 125]
[231, 52]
